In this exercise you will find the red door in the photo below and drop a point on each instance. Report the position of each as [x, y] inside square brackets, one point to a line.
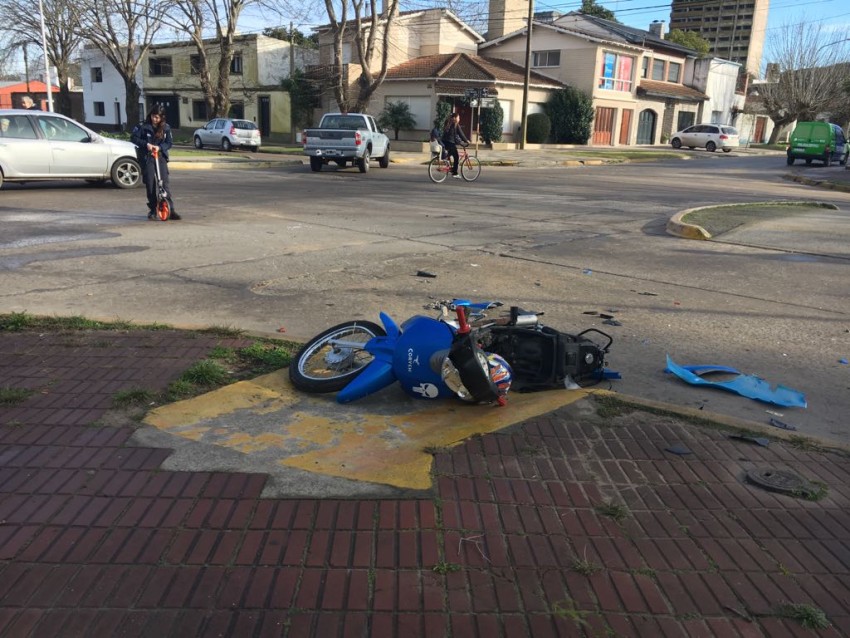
[603, 126]
[625, 126]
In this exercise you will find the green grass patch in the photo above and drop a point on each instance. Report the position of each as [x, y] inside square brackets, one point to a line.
[585, 567]
[14, 396]
[445, 568]
[22, 321]
[267, 356]
[722, 219]
[612, 510]
[136, 396]
[624, 155]
[206, 373]
[808, 616]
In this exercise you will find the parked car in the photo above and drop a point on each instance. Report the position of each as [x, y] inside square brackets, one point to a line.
[707, 136]
[821, 141]
[37, 146]
[227, 133]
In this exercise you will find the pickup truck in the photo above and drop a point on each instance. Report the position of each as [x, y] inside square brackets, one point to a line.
[346, 137]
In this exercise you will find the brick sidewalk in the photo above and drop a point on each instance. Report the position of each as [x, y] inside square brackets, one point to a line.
[95, 540]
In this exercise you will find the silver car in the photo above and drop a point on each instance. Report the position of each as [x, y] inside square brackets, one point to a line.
[707, 136]
[37, 146]
[227, 133]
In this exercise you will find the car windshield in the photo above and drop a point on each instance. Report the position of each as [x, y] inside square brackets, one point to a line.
[728, 130]
[244, 124]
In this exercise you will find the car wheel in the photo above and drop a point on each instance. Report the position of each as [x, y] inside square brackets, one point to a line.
[676, 143]
[226, 145]
[363, 162]
[790, 161]
[827, 159]
[384, 162]
[727, 150]
[692, 147]
[316, 164]
[198, 142]
[126, 173]
[808, 162]
[711, 147]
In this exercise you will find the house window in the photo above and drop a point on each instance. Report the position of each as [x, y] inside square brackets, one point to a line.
[195, 64]
[616, 72]
[674, 72]
[199, 110]
[99, 109]
[237, 111]
[236, 64]
[96, 74]
[546, 58]
[160, 67]
[645, 70]
[658, 70]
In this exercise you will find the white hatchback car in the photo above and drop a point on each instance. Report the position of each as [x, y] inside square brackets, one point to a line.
[38, 146]
[228, 133]
[707, 136]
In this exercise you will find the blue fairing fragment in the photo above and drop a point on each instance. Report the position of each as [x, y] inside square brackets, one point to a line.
[746, 385]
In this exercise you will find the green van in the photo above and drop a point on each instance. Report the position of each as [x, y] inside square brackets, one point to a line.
[819, 141]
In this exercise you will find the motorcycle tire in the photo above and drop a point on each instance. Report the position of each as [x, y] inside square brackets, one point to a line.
[319, 367]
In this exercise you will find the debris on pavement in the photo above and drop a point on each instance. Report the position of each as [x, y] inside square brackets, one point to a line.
[678, 448]
[425, 273]
[781, 424]
[758, 440]
[612, 322]
[749, 386]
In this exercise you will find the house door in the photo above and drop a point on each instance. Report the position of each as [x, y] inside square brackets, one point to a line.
[603, 126]
[758, 137]
[646, 127]
[264, 116]
[118, 115]
[625, 126]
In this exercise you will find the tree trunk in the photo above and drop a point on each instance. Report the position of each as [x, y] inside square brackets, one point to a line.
[132, 94]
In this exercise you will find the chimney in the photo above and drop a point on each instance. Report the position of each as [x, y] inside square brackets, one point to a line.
[506, 16]
[658, 28]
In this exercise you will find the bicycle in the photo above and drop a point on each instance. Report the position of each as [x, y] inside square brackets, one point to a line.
[469, 167]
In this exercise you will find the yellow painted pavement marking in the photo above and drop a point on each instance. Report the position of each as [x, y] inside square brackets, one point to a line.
[380, 439]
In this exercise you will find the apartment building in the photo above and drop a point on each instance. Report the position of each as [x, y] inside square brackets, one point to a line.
[734, 29]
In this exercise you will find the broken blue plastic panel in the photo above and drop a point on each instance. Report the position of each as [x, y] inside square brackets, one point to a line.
[746, 385]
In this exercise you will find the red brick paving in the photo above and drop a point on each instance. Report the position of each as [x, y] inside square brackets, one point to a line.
[95, 540]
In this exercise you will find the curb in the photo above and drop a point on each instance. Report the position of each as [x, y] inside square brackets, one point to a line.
[819, 183]
[678, 228]
[229, 164]
[726, 420]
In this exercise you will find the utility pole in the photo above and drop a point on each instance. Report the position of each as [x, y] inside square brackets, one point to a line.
[292, 132]
[527, 74]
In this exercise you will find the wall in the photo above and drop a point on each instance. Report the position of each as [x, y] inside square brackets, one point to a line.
[110, 91]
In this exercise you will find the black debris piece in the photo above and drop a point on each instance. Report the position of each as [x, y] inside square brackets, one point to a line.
[678, 448]
[781, 424]
[758, 440]
[612, 322]
[425, 273]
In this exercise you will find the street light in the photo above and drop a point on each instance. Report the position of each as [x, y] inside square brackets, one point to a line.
[46, 58]
[829, 44]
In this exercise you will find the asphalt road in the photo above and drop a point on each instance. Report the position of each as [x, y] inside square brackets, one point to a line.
[289, 249]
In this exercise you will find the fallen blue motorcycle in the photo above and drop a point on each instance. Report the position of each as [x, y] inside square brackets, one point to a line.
[462, 353]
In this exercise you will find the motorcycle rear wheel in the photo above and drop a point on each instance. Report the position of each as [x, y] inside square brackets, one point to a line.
[322, 367]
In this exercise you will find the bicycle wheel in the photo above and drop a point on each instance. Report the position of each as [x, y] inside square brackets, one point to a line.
[437, 170]
[470, 169]
[322, 366]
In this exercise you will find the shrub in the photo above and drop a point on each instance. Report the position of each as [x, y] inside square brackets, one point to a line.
[443, 111]
[491, 123]
[539, 126]
[397, 116]
[571, 113]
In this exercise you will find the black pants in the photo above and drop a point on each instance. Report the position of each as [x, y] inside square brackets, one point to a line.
[451, 149]
[150, 180]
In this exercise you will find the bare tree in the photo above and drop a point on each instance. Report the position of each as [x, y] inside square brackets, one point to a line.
[368, 31]
[807, 71]
[123, 30]
[23, 27]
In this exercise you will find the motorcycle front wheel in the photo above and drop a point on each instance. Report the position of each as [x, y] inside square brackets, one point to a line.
[323, 365]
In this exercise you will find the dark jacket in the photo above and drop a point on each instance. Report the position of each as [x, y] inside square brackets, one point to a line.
[453, 134]
[144, 135]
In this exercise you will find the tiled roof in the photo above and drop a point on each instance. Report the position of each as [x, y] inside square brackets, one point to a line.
[665, 89]
[463, 66]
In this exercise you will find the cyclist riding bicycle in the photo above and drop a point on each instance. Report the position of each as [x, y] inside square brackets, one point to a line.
[452, 136]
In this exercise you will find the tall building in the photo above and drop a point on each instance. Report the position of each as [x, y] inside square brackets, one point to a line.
[735, 29]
